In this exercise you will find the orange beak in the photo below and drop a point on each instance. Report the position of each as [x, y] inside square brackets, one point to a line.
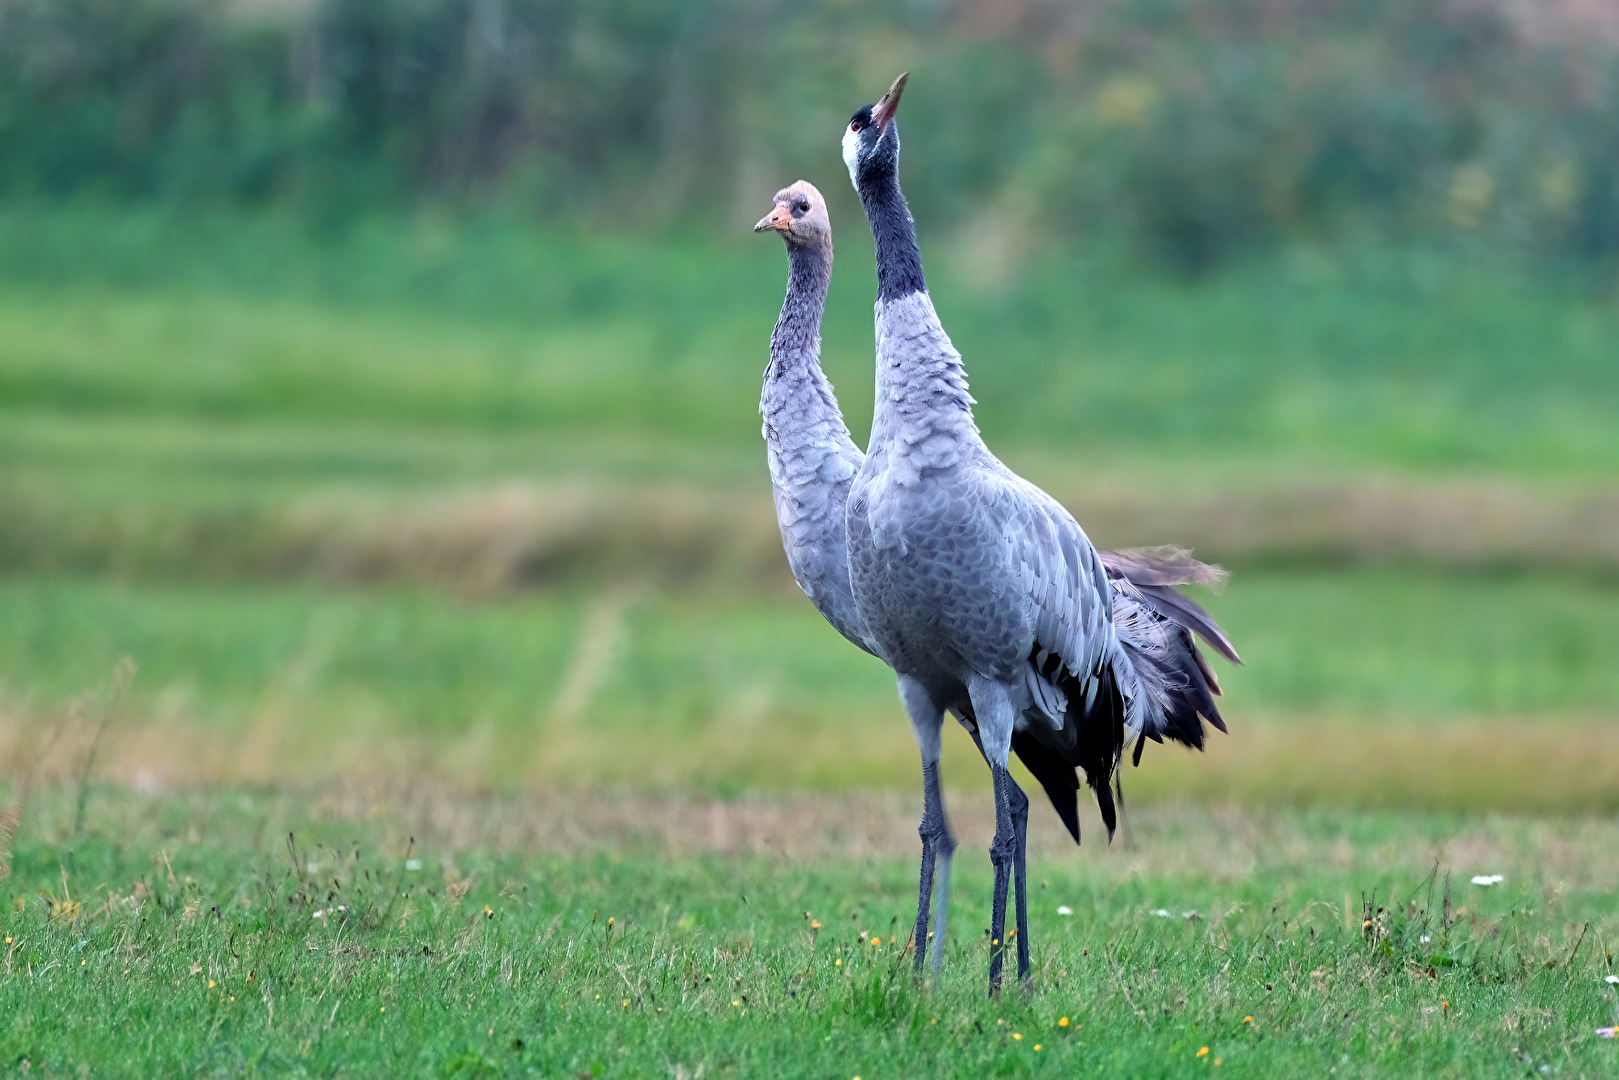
[780, 219]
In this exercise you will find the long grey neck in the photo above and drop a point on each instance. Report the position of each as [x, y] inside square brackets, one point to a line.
[921, 385]
[798, 402]
[796, 341]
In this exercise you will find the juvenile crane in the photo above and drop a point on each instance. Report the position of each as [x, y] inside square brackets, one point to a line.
[812, 458]
[985, 596]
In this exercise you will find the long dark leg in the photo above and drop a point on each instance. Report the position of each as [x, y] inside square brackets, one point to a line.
[1001, 855]
[1020, 879]
[937, 843]
[1020, 872]
[926, 718]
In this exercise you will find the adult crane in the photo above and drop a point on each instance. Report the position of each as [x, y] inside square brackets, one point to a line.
[984, 594]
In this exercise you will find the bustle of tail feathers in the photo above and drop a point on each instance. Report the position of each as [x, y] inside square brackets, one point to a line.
[1156, 624]
[1152, 682]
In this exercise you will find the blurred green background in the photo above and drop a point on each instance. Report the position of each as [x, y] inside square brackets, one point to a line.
[381, 376]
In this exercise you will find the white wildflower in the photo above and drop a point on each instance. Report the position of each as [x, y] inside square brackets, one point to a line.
[1064, 909]
[413, 864]
[1162, 913]
[1487, 879]
[1610, 979]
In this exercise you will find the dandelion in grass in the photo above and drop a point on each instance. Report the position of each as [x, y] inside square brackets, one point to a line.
[1063, 1022]
[876, 941]
[1017, 1036]
[1247, 1019]
[1487, 879]
[1203, 1052]
[1038, 1048]
[1064, 909]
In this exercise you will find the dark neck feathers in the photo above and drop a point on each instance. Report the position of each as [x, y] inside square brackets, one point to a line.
[899, 261]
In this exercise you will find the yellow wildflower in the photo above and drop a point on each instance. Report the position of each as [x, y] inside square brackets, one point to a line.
[1037, 1046]
[1017, 1036]
[876, 941]
[1203, 1052]
[1063, 1022]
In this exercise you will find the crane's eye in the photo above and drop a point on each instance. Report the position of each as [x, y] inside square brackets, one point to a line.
[803, 206]
[855, 125]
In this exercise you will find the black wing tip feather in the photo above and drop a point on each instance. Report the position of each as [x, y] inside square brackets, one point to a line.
[1056, 776]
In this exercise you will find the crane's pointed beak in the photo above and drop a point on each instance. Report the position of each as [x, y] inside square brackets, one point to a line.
[780, 219]
[884, 111]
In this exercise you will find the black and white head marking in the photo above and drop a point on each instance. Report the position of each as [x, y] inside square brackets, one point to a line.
[859, 129]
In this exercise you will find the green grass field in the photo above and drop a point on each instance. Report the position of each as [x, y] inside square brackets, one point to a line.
[192, 936]
[459, 530]
[1372, 687]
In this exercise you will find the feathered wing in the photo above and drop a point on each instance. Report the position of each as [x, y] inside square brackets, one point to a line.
[1113, 656]
[1084, 697]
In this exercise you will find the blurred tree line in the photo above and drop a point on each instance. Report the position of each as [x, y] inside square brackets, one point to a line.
[1195, 129]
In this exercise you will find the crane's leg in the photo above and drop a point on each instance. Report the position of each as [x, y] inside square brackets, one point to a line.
[938, 845]
[1020, 872]
[1020, 879]
[1001, 851]
[995, 716]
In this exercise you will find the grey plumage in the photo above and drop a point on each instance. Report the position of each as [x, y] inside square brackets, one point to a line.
[812, 458]
[985, 595]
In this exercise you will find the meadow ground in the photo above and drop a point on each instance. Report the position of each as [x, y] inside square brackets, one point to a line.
[391, 513]
[343, 932]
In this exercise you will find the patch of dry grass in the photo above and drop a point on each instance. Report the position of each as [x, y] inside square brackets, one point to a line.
[489, 539]
[1522, 765]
